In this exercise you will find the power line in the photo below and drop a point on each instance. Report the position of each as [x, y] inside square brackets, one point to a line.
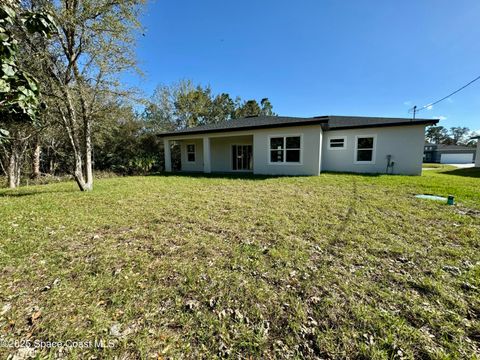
[416, 110]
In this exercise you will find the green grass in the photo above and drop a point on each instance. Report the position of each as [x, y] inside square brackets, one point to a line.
[334, 266]
[438, 166]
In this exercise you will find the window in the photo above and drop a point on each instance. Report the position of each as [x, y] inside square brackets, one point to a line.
[285, 149]
[190, 152]
[337, 143]
[365, 149]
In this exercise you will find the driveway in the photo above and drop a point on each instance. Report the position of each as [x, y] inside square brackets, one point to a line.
[462, 166]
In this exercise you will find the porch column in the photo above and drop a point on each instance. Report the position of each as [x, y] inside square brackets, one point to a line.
[320, 147]
[477, 155]
[207, 167]
[168, 155]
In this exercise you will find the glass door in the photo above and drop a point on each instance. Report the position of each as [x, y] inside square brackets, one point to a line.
[242, 157]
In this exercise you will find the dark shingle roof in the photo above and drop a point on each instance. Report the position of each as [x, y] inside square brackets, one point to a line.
[249, 123]
[443, 147]
[328, 123]
[351, 122]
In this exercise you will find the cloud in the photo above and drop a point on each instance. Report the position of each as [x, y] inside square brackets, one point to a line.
[450, 100]
[430, 107]
[407, 103]
[441, 117]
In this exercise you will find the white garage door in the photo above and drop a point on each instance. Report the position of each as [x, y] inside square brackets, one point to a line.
[456, 158]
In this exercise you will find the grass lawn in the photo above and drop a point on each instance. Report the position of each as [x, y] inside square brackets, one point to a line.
[434, 166]
[438, 166]
[334, 266]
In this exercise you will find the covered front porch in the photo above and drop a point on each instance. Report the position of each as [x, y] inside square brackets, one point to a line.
[213, 153]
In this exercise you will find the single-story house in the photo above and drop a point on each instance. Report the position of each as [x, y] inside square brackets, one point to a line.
[448, 154]
[279, 145]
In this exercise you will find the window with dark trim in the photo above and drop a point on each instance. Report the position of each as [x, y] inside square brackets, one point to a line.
[191, 152]
[337, 143]
[285, 149]
[365, 148]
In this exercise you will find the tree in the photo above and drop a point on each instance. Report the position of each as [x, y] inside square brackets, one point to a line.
[182, 105]
[194, 107]
[128, 147]
[248, 108]
[19, 90]
[459, 135]
[93, 46]
[223, 108]
[436, 134]
[160, 112]
[455, 136]
[13, 149]
[267, 108]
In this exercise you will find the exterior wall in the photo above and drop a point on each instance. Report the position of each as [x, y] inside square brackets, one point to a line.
[477, 156]
[221, 151]
[198, 164]
[404, 143]
[311, 137]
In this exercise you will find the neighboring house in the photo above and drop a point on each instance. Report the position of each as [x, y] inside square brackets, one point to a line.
[448, 154]
[280, 145]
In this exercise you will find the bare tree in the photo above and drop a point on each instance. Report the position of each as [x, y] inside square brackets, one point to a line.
[13, 150]
[82, 62]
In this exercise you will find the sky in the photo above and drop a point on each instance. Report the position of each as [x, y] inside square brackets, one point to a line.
[320, 57]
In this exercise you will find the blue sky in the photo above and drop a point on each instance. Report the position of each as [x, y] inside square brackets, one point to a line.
[318, 57]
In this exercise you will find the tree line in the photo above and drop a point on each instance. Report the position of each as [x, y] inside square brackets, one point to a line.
[74, 114]
[453, 136]
[131, 145]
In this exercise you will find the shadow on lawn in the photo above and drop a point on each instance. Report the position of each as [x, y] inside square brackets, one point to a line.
[251, 176]
[232, 176]
[22, 193]
[469, 172]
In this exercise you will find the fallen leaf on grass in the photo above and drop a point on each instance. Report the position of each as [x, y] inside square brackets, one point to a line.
[192, 305]
[115, 330]
[36, 315]
[5, 308]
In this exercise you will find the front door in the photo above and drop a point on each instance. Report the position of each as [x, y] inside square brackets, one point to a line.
[242, 158]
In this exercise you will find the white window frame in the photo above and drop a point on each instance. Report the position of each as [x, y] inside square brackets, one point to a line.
[284, 162]
[374, 149]
[189, 152]
[344, 138]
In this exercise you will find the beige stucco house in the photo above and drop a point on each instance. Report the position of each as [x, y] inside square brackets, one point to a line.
[276, 145]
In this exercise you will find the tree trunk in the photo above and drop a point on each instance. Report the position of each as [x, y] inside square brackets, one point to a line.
[78, 174]
[18, 169]
[12, 171]
[88, 155]
[70, 122]
[14, 153]
[36, 160]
